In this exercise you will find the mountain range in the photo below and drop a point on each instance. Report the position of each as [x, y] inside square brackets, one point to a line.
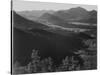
[77, 14]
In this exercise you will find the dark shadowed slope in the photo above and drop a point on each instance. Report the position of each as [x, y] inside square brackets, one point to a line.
[48, 44]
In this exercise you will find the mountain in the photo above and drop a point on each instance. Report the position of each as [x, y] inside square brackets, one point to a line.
[23, 23]
[72, 14]
[59, 17]
[92, 17]
[34, 14]
[51, 19]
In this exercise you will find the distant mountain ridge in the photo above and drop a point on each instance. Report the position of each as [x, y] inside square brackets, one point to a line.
[51, 19]
[72, 14]
[23, 23]
[77, 14]
[92, 17]
[35, 14]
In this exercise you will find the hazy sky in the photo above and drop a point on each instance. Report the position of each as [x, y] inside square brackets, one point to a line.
[21, 5]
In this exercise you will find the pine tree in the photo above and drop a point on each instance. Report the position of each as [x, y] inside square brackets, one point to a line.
[68, 64]
[33, 66]
[47, 65]
[37, 65]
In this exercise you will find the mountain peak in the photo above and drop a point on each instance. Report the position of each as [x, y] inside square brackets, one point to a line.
[78, 9]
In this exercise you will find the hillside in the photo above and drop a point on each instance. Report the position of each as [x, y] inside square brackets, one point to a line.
[51, 19]
[73, 14]
[23, 23]
[48, 43]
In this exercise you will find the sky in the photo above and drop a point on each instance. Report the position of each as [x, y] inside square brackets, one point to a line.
[21, 5]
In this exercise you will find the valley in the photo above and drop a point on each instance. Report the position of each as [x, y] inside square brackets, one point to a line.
[55, 35]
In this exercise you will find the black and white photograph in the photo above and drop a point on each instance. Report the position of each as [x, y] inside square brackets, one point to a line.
[53, 37]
